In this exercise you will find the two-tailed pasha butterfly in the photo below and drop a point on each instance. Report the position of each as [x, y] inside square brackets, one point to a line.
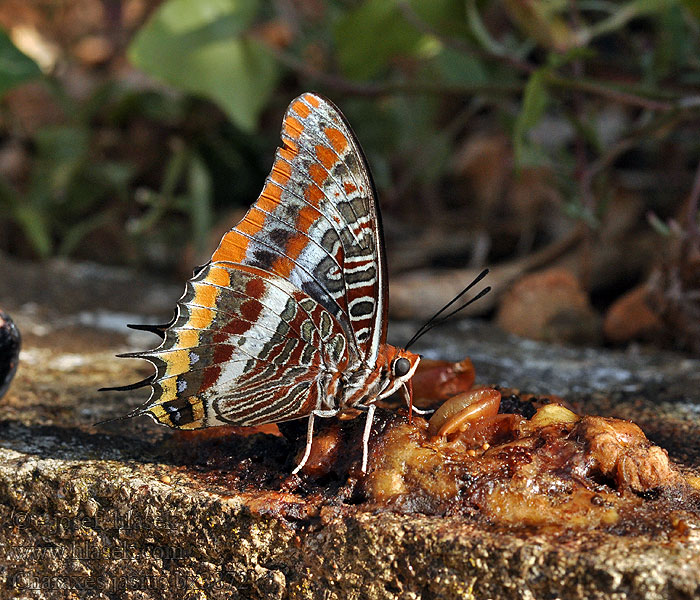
[288, 319]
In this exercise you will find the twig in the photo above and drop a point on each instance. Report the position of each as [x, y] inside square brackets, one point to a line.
[461, 45]
[592, 87]
[643, 132]
[618, 96]
[357, 88]
[425, 153]
[419, 293]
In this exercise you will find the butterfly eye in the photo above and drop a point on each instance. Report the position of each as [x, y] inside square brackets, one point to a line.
[401, 367]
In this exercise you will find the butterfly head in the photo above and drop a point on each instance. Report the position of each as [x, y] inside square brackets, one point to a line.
[398, 366]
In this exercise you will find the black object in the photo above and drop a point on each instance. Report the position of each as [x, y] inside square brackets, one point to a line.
[9, 351]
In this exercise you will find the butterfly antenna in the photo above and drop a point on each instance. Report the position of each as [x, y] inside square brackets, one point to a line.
[434, 324]
[434, 321]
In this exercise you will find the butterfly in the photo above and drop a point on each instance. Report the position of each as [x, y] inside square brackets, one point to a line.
[288, 319]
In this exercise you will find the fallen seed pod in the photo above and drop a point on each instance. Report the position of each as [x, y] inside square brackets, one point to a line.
[460, 411]
[552, 414]
[441, 379]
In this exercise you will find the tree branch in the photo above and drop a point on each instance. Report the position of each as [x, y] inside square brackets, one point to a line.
[591, 87]
[359, 88]
[610, 93]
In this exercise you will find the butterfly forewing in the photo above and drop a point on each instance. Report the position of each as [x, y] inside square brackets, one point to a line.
[294, 294]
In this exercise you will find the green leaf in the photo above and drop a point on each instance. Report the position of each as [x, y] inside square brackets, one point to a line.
[661, 227]
[544, 21]
[626, 12]
[201, 47]
[113, 175]
[15, 66]
[693, 7]
[61, 151]
[149, 104]
[447, 17]
[535, 101]
[460, 68]
[32, 221]
[92, 185]
[200, 192]
[479, 31]
[368, 37]
[77, 232]
[163, 200]
[673, 46]
[578, 211]
[35, 226]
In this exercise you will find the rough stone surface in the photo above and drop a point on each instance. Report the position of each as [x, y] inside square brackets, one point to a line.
[107, 512]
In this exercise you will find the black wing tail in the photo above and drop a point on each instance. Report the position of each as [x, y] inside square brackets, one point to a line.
[132, 386]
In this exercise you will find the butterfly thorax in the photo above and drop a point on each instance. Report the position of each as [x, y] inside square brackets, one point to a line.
[363, 385]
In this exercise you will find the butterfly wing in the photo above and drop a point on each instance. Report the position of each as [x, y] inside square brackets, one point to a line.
[293, 295]
[317, 222]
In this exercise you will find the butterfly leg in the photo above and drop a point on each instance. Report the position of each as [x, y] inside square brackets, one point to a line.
[365, 436]
[408, 397]
[310, 435]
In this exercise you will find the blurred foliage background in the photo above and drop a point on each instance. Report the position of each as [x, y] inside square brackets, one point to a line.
[557, 140]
